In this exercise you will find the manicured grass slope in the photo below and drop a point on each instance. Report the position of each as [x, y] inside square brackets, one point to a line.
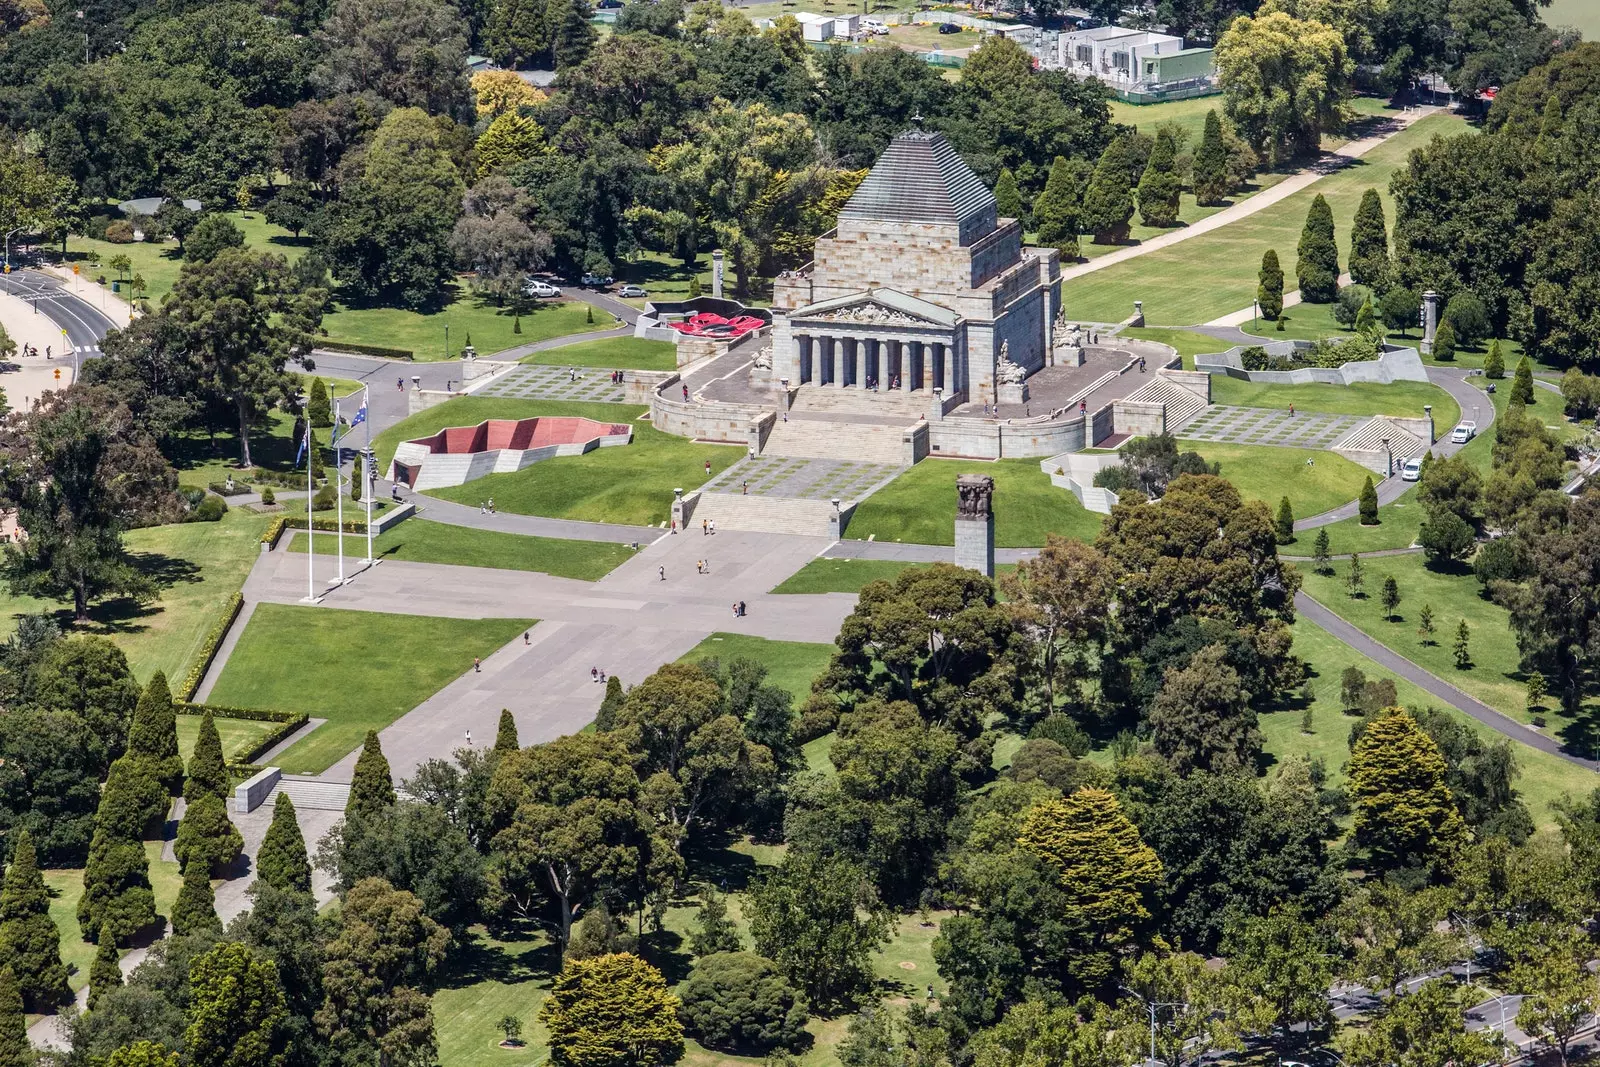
[489, 329]
[1261, 472]
[66, 889]
[919, 507]
[238, 735]
[1364, 398]
[421, 541]
[360, 670]
[827, 575]
[625, 353]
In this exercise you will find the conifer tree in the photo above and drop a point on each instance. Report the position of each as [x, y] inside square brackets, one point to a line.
[196, 906]
[1007, 199]
[318, 406]
[1317, 268]
[1056, 211]
[1108, 202]
[606, 717]
[1369, 243]
[714, 931]
[15, 1051]
[1391, 596]
[1369, 503]
[1269, 293]
[1522, 383]
[133, 802]
[106, 972]
[1494, 364]
[116, 879]
[1354, 578]
[505, 735]
[1444, 343]
[1211, 163]
[1463, 649]
[153, 734]
[1425, 624]
[207, 771]
[1321, 560]
[371, 787]
[1404, 813]
[1367, 321]
[206, 835]
[281, 861]
[29, 940]
[1285, 524]
[1160, 186]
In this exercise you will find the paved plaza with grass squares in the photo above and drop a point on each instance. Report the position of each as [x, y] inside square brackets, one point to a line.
[554, 383]
[1269, 426]
[800, 478]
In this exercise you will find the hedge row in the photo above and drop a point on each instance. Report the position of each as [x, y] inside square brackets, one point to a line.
[296, 522]
[367, 350]
[222, 711]
[208, 650]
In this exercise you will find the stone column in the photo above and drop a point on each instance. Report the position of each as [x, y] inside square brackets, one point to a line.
[1430, 320]
[975, 523]
[807, 359]
[912, 360]
[936, 362]
[716, 273]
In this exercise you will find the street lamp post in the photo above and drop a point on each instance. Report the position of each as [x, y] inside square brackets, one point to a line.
[10, 234]
[447, 340]
[1152, 1006]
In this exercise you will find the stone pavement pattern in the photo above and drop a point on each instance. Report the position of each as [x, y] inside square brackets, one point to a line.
[554, 383]
[801, 477]
[1269, 426]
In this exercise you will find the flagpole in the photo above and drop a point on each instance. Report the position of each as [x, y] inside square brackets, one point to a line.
[338, 496]
[367, 458]
[311, 548]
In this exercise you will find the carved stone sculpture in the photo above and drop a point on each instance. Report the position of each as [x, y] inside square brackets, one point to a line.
[763, 358]
[1008, 372]
[876, 314]
[974, 493]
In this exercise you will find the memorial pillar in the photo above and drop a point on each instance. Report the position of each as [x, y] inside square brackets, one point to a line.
[975, 523]
[936, 364]
[909, 360]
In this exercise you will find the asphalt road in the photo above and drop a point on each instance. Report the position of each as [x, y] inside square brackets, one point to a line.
[85, 324]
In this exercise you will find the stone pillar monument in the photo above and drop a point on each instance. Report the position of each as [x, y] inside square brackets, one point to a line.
[1430, 320]
[716, 273]
[975, 522]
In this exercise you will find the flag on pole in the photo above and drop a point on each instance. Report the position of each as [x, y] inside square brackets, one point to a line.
[303, 440]
[361, 413]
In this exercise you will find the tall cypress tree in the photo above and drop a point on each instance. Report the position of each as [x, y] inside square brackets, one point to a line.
[208, 773]
[106, 972]
[606, 717]
[206, 836]
[1368, 503]
[29, 940]
[1494, 364]
[1444, 344]
[1369, 243]
[318, 405]
[1211, 163]
[1269, 293]
[153, 734]
[1007, 199]
[1317, 269]
[1160, 186]
[196, 906]
[1285, 523]
[116, 879]
[1056, 211]
[15, 1051]
[505, 736]
[281, 861]
[371, 788]
[1108, 202]
[1522, 382]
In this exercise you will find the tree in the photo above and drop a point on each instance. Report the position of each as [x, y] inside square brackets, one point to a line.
[1369, 243]
[235, 1009]
[1425, 1026]
[714, 932]
[1063, 596]
[245, 315]
[1404, 813]
[142, 1054]
[605, 718]
[30, 943]
[1200, 719]
[1056, 211]
[1393, 933]
[1108, 202]
[318, 407]
[1284, 81]
[376, 965]
[212, 235]
[505, 736]
[389, 231]
[1269, 291]
[1425, 624]
[1008, 201]
[738, 1002]
[1279, 968]
[1210, 175]
[153, 733]
[1535, 691]
[116, 880]
[1107, 874]
[819, 919]
[206, 836]
[411, 53]
[500, 91]
[1444, 343]
[1321, 560]
[1317, 268]
[1522, 383]
[208, 774]
[105, 974]
[1461, 651]
[196, 907]
[15, 1050]
[1444, 537]
[509, 140]
[281, 862]
[1285, 523]
[1468, 318]
[417, 847]
[1561, 996]
[371, 785]
[33, 198]
[1191, 1020]
[1368, 503]
[294, 207]
[1397, 307]
[1161, 185]
[612, 1011]
[493, 238]
[176, 220]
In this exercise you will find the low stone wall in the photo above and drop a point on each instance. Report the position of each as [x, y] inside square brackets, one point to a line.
[1075, 473]
[729, 423]
[1394, 365]
[640, 386]
[1422, 427]
[393, 517]
[1197, 380]
[248, 794]
[982, 439]
[1103, 426]
[916, 443]
[1139, 418]
[423, 399]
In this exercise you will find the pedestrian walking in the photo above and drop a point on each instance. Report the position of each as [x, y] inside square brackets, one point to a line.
[744, 488]
[736, 609]
[491, 505]
[686, 394]
[699, 566]
[477, 665]
[469, 738]
[741, 609]
[708, 468]
[525, 638]
[1291, 411]
[483, 507]
[400, 384]
[713, 527]
[1083, 407]
[705, 527]
[663, 572]
[594, 674]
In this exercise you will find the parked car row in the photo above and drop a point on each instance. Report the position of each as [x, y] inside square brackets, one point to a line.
[537, 287]
[1465, 431]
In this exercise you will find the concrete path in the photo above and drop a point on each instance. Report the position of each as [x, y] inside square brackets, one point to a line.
[530, 525]
[912, 553]
[1330, 163]
[1239, 318]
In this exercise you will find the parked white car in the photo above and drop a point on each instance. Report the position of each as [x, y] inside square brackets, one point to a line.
[534, 287]
[873, 26]
[631, 291]
[1463, 433]
[1411, 470]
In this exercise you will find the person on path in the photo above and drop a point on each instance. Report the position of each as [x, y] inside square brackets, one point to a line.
[525, 638]
[1083, 407]
[483, 507]
[713, 527]
[705, 527]
[400, 384]
[686, 394]
[736, 609]
[477, 665]
[491, 505]
[663, 572]
[469, 738]
[744, 490]
[741, 609]
[708, 468]
[594, 674]
[699, 566]
[602, 677]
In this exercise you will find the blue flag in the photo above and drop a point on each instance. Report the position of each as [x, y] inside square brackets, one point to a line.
[361, 414]
[303, 440]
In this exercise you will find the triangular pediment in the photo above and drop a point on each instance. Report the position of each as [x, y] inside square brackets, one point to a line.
[877, 307]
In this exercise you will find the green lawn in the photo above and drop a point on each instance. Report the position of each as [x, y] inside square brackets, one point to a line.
[620, 353]
[66, 888]
[1543, 778]
[360, 670]
[483, 980]
[630, 485]
[827, 575]
[1364, 398]
[202, 458]
[1215, 274]
[238, 735]
[1262, 472]
[422, 541]
[159, 264]
[470, 319]
[790, 664]
[920, 506]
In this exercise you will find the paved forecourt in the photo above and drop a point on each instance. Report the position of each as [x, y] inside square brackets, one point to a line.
[1269, 426]
[555, 383]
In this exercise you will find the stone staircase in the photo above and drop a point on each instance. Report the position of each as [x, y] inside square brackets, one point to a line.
[768, 514]
[1183, 404]
[312, 793]
[817, 439]
[1363, 444]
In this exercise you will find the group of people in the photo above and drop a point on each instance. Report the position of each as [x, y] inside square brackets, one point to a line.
[708, 527]
[597, 675]
[616, 377]
[486, 507]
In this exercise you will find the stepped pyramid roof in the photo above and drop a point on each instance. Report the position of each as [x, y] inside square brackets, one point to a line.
[920, 178]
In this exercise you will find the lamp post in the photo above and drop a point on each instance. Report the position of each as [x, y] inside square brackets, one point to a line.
[1152, 1006]
[447, 340]
[311, 535]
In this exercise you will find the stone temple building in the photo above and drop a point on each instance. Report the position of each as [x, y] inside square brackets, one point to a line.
[919, 287]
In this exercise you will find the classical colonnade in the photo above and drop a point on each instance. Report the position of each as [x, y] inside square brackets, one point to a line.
[916, 366]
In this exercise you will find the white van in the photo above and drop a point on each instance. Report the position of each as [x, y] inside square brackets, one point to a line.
[1411, 470]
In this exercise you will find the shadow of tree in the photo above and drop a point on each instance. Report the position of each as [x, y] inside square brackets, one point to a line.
[518, 951]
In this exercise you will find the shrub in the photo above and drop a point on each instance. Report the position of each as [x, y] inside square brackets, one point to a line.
[737, 1001]
[1347, 305]
[120, 232]
[1064, 732]
[1444, 344]
[1368, 504]
[367, 350]
[1502, 559]
[1445, 536]
[208, 650]
[1254, 358]
[325, 499]
[210, 509]
[1468, 318]
[268, 497]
